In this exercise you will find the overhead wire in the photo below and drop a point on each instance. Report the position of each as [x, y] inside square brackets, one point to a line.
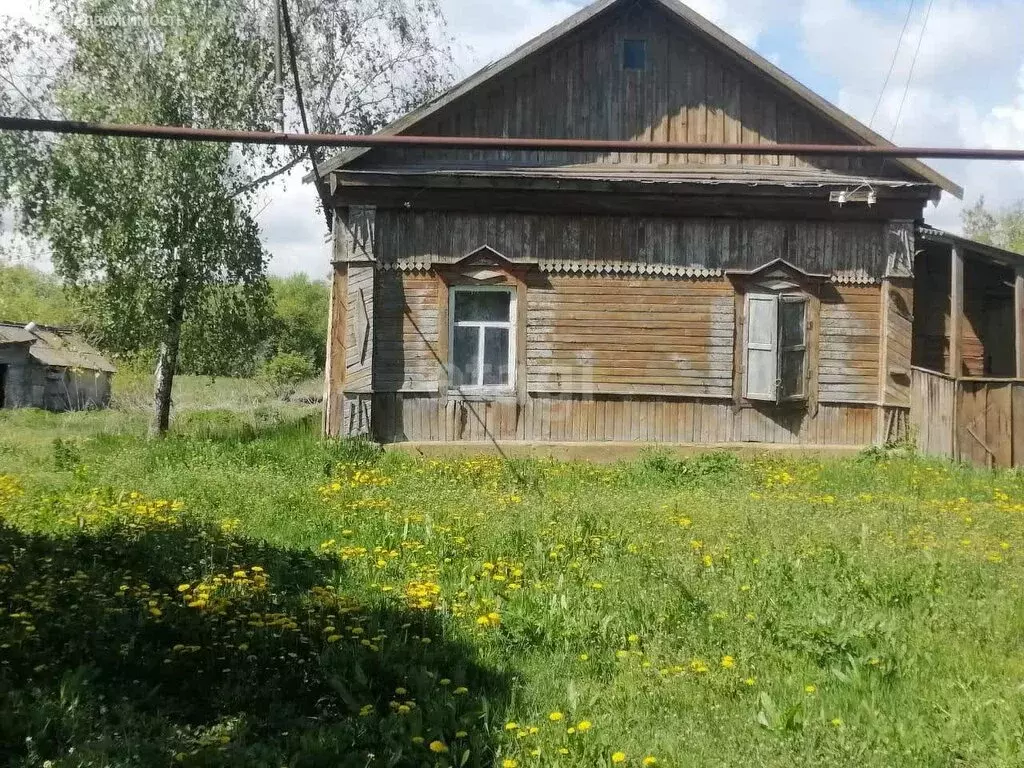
[913, 66]
[892, 65]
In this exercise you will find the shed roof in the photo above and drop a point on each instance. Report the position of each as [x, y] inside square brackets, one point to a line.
[54, 346]
[855, 128]
[990, 252]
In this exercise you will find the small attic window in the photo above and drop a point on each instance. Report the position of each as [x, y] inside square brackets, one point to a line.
[634, 55]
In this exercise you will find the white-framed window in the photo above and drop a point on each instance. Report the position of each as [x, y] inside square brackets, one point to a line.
[482, 342]
[776, 347]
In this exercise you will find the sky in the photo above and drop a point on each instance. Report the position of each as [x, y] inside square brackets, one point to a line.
[967, 87]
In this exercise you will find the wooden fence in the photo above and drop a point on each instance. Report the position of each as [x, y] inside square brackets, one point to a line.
[977, 420]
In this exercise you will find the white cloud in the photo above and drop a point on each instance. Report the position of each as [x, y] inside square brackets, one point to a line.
[967, 87]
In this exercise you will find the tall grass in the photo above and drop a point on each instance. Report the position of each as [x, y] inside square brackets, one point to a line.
[697, 612]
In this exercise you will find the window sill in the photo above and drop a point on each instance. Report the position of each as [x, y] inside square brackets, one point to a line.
[480, 395]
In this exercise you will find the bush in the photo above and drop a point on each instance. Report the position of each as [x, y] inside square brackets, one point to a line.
[286, 369]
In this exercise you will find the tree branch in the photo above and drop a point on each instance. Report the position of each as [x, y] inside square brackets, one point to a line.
[267, 177]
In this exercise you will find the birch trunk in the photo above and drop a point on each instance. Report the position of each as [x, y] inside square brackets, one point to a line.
[167, 363]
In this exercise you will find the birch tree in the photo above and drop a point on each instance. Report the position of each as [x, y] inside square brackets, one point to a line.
[158, 238]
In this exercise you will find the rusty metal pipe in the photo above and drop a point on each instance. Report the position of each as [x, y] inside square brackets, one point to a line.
[472, 142]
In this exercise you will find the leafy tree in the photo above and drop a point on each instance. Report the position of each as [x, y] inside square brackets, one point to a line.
[300, 317]
[1003, 227]
[26, 294]
[157, 238]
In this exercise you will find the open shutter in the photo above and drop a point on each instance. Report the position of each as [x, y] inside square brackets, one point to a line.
[792, 347]
[762, 347]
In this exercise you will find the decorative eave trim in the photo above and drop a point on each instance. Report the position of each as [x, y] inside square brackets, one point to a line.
[626, 269]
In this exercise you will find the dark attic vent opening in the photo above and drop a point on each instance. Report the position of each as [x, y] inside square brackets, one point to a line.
[634, 54]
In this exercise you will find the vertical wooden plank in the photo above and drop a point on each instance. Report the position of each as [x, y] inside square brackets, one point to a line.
[956, 312]
[1017, 423]
[715, 103]
[696, 90]
[998, 419]
[334, 371]
[956, 316]
[1018, 320]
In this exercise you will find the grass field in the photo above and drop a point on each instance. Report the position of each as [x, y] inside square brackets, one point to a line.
[244, 594]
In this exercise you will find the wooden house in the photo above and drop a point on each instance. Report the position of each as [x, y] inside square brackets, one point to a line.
[52, 368]
[537, 296]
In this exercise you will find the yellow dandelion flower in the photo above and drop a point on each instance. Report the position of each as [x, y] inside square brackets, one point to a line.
[511, 725]
[583, 726]
[438, 746]
[554, 717]
[508, 762]
[650, 760]
[836, 721]
[810, 689]
[333, 638]
[728, 662]
[618, 757]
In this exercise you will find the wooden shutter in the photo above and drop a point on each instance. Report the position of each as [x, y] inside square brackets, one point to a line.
[762, 347]
[792, 347]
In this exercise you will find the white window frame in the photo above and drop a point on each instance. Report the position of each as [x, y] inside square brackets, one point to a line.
[482, 325]
[775, 346]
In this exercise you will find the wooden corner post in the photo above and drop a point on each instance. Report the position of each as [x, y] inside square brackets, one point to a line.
[1018, 320]
[956, 312]
[956, 319]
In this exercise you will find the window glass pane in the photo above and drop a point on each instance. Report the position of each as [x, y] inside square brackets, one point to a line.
[761, 374]
[465, 355]
[496, 371]
[792, 374]
[791, 322]
[481, 306]
[634, 54]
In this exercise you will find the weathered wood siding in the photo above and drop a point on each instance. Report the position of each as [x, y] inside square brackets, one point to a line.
[849, 351]
[653, 336]
[359, 329]
[403, 417]
[932, 412]
[691, 90]
[898, 319]
[594, 243]
[407, 332]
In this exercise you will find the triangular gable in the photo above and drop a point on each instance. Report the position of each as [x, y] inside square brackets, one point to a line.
[802, 116]
[777, 269]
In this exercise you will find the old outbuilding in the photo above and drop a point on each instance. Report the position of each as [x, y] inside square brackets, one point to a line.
[721, 298]
[52, 368]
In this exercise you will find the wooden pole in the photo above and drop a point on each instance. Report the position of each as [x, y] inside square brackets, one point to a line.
[956, 312]
[1018, 320]
[956, 317]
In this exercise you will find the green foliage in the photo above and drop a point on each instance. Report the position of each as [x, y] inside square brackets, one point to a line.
[300, 318]
[27, 294]
[1003, 228]
[846, 612]
[286, 369]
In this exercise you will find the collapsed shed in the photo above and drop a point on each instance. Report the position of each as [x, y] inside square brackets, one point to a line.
[51, 368]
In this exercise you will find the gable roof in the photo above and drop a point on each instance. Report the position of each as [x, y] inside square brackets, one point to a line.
[58, 347]
[693, 19]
